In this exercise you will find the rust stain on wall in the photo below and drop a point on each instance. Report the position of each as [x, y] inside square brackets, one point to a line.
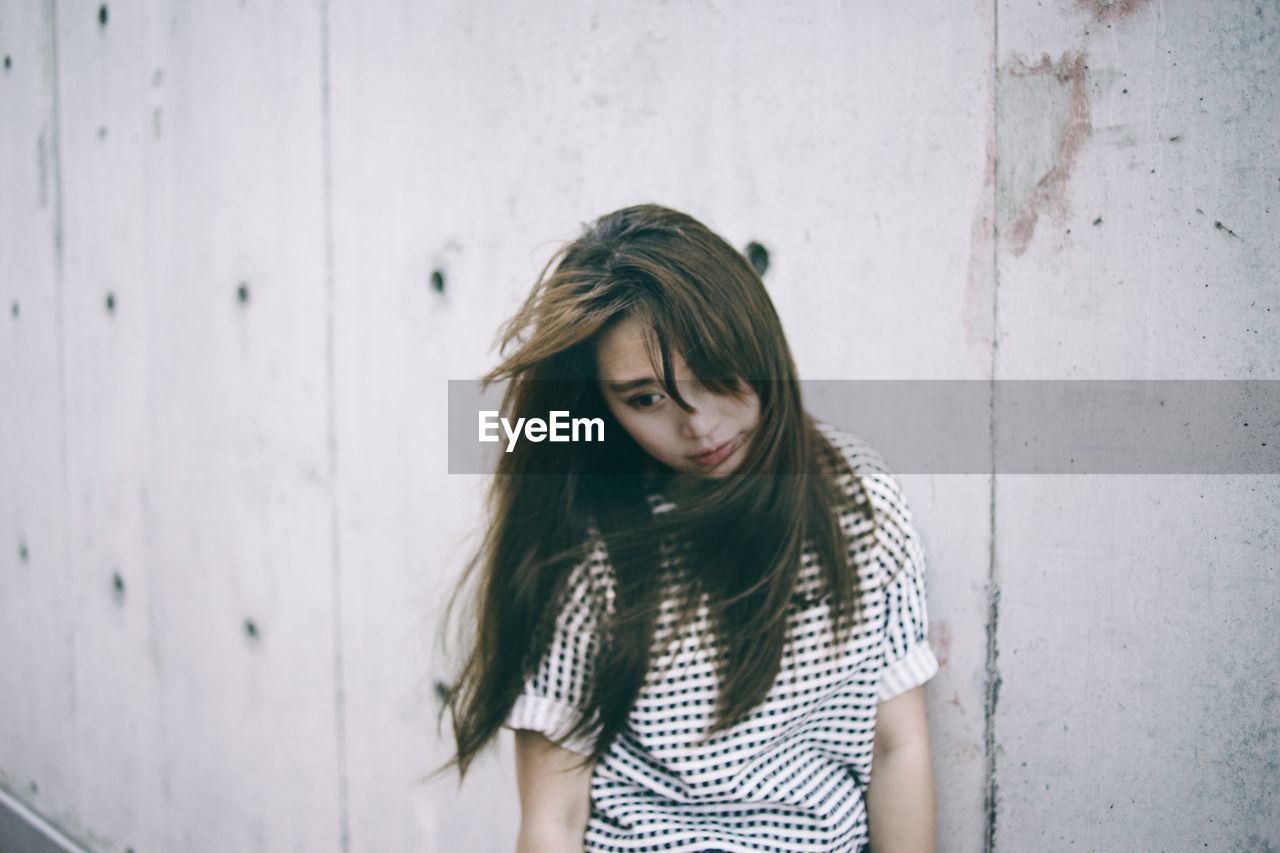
[940, 640]
[1111, 10]
[1042, 127]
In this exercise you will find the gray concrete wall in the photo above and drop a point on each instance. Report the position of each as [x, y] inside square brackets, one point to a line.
[1135, 636]
[223, 378]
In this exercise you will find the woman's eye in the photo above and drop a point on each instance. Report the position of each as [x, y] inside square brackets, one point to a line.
[640, 401]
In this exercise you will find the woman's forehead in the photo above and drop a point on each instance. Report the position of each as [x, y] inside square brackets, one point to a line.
[629, 350]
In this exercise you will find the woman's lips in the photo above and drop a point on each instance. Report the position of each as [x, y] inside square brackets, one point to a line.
[716, 455]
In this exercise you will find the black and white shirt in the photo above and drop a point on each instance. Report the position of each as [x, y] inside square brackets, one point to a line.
[792, 774]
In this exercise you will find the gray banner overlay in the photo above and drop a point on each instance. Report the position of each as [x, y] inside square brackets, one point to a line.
[1111, 426]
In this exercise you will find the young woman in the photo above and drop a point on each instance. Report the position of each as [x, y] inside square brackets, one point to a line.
[709, 630]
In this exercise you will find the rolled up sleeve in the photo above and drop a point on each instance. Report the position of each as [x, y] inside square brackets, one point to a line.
[909, 659]
[554, 697]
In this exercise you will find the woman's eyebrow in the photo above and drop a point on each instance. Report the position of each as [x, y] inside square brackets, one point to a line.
[623, 387]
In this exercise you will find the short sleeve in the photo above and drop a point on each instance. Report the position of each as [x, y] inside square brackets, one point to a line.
[554, 696]
[909, 659]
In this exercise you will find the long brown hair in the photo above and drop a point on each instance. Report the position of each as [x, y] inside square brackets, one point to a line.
[551, 504]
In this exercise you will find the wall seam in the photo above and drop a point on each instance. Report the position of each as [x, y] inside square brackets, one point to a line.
[59, 277]
[993, 679]
[335, 585]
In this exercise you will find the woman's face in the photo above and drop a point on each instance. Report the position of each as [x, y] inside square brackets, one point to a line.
[710, 441]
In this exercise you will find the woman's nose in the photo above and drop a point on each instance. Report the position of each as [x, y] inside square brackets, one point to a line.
[699, 424]
[699, 427]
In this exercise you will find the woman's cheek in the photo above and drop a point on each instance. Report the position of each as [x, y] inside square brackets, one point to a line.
[656, 441]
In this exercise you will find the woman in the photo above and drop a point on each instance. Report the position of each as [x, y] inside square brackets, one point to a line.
[707, 629]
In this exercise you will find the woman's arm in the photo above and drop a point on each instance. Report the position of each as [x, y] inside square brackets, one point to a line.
[900, 799]
[555, 795]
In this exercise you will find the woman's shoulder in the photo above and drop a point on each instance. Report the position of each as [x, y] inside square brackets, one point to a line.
[590, 581]
[875, 479]
[862, 458]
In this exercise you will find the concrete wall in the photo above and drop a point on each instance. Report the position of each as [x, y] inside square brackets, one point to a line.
[244, 245]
